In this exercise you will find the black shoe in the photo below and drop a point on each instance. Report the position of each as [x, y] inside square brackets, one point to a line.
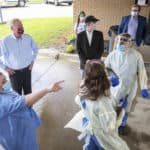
[122, 130]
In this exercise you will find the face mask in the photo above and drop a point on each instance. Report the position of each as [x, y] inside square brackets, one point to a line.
[91, 27]
[120, 47]
[7, 87]
[134, 13]
[82, 18]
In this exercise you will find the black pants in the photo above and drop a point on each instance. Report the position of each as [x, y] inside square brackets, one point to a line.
[21, 81]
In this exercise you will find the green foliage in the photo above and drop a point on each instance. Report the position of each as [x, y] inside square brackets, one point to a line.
[72, 37]
[70, 48]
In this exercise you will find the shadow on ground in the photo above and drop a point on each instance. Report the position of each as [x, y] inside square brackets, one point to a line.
[135, 139]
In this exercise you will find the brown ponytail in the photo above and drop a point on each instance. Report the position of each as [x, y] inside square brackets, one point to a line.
[96, 80]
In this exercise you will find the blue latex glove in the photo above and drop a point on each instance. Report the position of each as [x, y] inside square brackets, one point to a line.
[114, 81]
[144, 93]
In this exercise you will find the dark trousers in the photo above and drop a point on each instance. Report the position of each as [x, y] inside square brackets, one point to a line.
[21, 81]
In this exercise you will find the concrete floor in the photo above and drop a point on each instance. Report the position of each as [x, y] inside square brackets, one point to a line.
[145, 51]
[55, 110]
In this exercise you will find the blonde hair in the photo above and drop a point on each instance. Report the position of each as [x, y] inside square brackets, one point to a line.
[13, 21]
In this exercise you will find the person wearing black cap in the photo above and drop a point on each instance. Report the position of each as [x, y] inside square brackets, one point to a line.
[90, 43]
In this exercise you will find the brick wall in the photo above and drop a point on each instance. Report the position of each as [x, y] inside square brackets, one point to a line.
[108, 11]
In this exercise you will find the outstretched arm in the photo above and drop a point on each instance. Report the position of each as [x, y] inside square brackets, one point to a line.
[32, 98]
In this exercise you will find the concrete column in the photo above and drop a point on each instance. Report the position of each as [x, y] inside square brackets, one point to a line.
[1, 16]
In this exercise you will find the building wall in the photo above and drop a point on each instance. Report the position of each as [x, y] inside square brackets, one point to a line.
[108, 11]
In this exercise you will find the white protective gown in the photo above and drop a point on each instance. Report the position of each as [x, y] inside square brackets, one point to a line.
[129, 67]
[102, 123]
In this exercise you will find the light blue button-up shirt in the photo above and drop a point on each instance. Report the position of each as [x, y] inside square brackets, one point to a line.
[132, 27]
[17, 53]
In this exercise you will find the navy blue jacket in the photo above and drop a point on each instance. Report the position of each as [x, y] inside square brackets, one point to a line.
[141, 29]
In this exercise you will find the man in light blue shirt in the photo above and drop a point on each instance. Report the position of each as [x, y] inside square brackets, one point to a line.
[17, 54]
[134, 24]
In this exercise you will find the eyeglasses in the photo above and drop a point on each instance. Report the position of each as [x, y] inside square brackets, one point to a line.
[124, 39]
[135, 10]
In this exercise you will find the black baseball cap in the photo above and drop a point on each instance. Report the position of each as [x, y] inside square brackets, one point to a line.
[91, 19]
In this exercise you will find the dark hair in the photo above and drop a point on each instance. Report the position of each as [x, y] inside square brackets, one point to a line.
[136, 5]
[83, 13]
[125, 35]
[96, 79]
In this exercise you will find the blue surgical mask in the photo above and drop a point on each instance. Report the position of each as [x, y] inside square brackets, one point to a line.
[7, 87]
[120, 47]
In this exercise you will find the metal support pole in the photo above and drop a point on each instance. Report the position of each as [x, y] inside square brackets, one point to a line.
[1, 16]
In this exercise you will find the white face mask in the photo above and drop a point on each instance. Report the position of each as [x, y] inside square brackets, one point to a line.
[82, 19]
[91, 27]
[134, 13]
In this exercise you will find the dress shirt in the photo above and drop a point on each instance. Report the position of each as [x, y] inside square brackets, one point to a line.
[89, 37]
[132, 27]
[17, 53]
